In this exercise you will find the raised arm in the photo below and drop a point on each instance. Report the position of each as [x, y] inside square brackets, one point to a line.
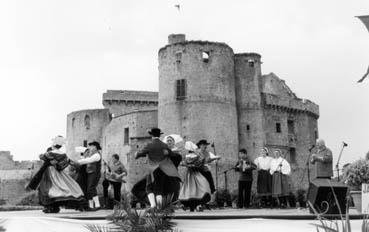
[94, 158]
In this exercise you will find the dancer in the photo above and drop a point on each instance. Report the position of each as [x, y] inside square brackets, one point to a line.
[280, 169]
[264, 182]
[158, 154]
[208, 158]
[245, 167]
[57, 188]
[172, 186]
[113, 173]
[93, 170]
[195, 190]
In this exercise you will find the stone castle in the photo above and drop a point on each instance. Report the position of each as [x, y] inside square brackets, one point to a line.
[206, 91]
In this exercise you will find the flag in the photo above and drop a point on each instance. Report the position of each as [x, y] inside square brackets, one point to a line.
[365, 20]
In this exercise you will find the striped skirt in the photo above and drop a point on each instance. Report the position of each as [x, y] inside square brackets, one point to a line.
[280, 186]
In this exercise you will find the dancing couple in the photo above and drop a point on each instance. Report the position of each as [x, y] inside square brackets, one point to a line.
[57, 188]
[162, 171]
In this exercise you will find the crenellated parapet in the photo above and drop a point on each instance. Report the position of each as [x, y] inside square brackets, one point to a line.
[291, 104]
[130, 97]
[120, 102]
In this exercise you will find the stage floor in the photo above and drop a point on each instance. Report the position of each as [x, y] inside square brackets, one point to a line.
[214, 214]
[235, 220]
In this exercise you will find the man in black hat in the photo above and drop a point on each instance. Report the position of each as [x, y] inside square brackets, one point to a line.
[158, 154]
[93, 170]
[205, 171]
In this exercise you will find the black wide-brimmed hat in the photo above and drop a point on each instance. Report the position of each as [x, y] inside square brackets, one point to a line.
[96, 144]
[156, 132]
[202, 142]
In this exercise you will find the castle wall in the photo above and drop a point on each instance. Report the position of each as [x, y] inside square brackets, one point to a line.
[114, 141]
[85, 126]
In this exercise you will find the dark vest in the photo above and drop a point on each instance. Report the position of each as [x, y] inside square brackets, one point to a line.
[94, 167]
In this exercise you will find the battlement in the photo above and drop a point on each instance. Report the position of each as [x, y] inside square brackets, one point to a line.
[294, 104]
[249, 54]
[130, 96]
[196, 42]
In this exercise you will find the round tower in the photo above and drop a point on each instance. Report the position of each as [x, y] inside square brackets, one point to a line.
[197, 94]
[85, 126]
[248, 100]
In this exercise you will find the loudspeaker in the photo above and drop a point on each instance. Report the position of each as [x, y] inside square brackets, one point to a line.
[327, 196]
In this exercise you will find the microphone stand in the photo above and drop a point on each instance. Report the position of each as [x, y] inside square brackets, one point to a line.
[338, 161]
[216, 167]
[225, 178]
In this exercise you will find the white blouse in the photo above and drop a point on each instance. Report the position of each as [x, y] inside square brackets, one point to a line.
[280, 164]
[263, 162]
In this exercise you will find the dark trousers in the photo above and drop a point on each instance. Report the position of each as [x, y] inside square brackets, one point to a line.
[92, 182]
[209, 178]
[156, 185]
[244, 194]
[116, 187]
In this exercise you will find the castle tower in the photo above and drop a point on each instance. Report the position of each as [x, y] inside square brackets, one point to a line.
[249, 104]
[197, 93]
[85, 126]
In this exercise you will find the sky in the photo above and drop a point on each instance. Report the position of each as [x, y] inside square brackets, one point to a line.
[61, 56]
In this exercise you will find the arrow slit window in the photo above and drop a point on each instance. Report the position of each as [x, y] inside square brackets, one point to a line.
[181, 89]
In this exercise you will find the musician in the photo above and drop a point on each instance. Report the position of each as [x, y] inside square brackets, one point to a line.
[245, 167]
[114, 171]
[322, 161]
[280, 169]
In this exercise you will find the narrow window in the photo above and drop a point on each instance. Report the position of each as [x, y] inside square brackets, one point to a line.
[126, 136]
[73, 122]
[181, 89]
[316, 135]
[292, 155]
[291, 127]
[85, 143]
[278, 127]
[87, 122]
[248, 128]
[205, 57]
[178, 57]
[251, 63]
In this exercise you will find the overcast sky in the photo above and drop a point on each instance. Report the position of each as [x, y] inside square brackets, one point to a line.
[60, 56]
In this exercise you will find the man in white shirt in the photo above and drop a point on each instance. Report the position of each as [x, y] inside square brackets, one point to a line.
[93, 170]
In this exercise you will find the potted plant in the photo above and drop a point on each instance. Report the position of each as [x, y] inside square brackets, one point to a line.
[356, 176]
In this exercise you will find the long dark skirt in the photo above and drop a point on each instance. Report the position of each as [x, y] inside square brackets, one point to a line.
[170, 187]
[280, 187]
[264, 183]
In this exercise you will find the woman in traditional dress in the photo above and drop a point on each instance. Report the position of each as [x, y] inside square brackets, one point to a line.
[57, 188]
[280, 169]
[195, 190]
[264, 182]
